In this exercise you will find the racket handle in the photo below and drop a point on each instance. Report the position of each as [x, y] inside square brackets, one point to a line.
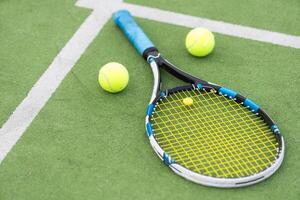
[133, 32]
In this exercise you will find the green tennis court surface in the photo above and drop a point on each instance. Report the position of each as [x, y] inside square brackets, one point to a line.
[275, 15]
[89, 144]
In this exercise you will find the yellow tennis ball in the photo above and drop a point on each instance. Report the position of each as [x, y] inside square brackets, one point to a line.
[200, 42]
[188, 101]
[113, 77]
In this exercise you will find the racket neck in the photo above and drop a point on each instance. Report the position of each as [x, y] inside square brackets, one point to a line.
[186, 77]
[157, 81]
[153, 55]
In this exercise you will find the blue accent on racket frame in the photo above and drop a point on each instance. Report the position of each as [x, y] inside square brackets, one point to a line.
[133, 32]
[228, 92]
[199, 86]
[150, 109]
[252, 106]
[150, 60]
[275, 128]
[163, 94]
[167, 159]
[149, 129]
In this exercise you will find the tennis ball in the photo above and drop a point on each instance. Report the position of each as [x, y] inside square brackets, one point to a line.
[113, 77]
[200, 42]
[188, 101]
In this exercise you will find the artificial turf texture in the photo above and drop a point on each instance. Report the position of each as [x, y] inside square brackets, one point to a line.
[274, 15]
[89, 144]
[31, 35]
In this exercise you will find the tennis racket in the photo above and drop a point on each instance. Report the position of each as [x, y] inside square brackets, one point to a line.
[223, 139]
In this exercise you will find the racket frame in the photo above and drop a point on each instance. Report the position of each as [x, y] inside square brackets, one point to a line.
[157, 62]
[146, 48]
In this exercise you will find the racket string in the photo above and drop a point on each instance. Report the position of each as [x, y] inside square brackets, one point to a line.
[221, 140]
[173, 109]
[230, 121]
[218, 119]
[201, 151]
[211, 168]
[220, 109]
[181, 146]
[188, 144]
[182, 137]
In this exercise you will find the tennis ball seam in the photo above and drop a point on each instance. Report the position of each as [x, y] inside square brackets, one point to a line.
[200, 42]
[194, 43]
[113, 77]
[109, 84]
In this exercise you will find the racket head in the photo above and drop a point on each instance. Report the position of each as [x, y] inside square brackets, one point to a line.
[210, 142]
[145, 47]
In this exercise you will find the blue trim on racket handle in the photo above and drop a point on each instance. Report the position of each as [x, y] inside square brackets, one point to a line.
[133, 32]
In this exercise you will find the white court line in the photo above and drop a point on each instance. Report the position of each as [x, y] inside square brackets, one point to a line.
[246, 32]
[215, 26]
[40, 93]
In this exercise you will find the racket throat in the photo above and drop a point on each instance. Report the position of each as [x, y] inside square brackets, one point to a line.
[153, 55]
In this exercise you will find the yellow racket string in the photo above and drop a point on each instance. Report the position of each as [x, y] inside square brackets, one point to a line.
[215, 136]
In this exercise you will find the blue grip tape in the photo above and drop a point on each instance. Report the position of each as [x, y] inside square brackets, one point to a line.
[252, 106]
[228, 92]
[133, 32]
[149, 129]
